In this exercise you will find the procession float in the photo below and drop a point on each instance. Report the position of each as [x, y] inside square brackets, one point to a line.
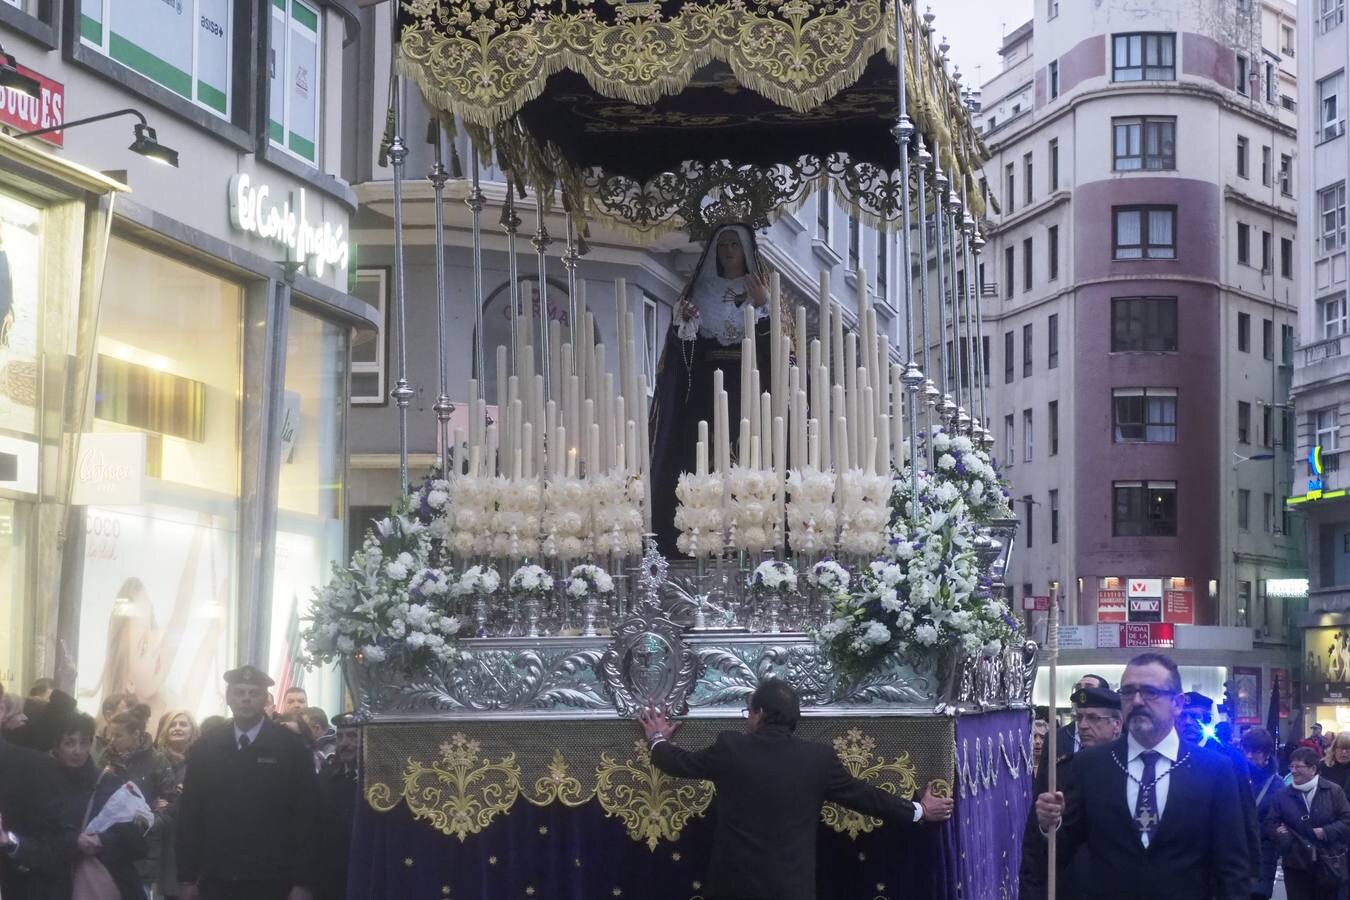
[800, 494]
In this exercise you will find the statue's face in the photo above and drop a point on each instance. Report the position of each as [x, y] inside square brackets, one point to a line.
[730, 255]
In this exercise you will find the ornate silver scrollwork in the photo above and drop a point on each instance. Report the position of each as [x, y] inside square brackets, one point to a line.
[648, 664]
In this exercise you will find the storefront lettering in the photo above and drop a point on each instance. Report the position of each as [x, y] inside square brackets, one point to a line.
[94, 469]
[26, 113]
[317, 244]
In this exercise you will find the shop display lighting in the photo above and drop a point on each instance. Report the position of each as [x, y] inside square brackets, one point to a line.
[146, 141]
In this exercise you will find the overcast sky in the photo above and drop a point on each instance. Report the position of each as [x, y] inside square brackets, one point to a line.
[975, 28]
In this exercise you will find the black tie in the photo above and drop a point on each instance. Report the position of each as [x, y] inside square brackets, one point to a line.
[1146, 804]
[244, 742]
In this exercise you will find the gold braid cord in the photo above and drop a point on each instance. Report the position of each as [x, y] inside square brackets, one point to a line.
[652, 805]
[484, 59]
[896, 777]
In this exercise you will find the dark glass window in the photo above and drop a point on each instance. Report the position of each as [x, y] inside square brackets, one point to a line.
[1143, 57]
[1145, 232]
[1148, 143]
[1143, 323]
[1145, 508]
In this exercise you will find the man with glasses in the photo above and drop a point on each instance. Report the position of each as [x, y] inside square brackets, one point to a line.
[771, 785]
[1097, 722]
[1156, 816]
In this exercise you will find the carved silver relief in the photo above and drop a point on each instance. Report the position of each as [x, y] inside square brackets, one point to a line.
[648, 664]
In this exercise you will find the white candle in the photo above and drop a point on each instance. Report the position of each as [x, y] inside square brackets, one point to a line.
[766, 429]
[754, 451]
[517, 465]
[593, 453]
[528, 432]
[813, 442]
[702, 458]
[780, 473]
[743, 451]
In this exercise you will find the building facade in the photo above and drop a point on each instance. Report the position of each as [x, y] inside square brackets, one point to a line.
[174, 363]
[1139, 288]
[1321, 385]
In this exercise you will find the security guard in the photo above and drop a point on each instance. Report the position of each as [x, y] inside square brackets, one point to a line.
[248, 815]
[338, 791]
[1096, 713]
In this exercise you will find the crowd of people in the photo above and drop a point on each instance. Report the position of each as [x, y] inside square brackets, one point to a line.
[122, 808]
[1154, 800]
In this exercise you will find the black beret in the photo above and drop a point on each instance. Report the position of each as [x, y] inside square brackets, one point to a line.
[345, 720]
[248, 675]
[1095, 698]
[1195, 698]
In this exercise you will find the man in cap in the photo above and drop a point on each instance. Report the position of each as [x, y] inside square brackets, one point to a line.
[339, 788]
[247, 818]
[1096, 714]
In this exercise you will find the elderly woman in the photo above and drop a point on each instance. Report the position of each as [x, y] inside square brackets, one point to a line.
[1335, 765]
[1310, 824]
[175, 735]
[131, 757]
[1264, 774]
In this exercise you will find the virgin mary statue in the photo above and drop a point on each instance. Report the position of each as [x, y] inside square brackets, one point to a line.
[705, 336]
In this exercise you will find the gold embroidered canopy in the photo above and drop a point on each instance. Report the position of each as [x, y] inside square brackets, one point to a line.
[642, 111]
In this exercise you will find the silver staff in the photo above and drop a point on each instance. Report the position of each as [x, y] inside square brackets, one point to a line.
[913, 378]
[438, 177]
[402, 393]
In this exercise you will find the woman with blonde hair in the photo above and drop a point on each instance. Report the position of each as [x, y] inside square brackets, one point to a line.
[174, 736]
[1335, 765]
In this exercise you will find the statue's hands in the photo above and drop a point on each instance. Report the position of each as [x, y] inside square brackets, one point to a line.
[757, 286]
[656, 722]
[685, 311]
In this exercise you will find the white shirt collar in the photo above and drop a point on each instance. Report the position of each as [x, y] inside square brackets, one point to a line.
[252, 732]
[1169, 747]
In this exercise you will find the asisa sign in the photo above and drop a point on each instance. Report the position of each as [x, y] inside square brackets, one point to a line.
[284, 221]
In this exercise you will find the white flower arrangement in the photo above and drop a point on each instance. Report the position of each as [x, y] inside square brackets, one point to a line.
[616, 514]
[774, 577]
[811, 517]
[567, 519]
[589, 582]
[753, 511]
[479, 582]
[866, 512]
[699, 514]
[515, 524]
[829, 577]
[471, 515]
[972, 477]
[531, 579]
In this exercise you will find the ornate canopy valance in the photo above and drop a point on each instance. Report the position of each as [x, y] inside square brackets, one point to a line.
[633, 107]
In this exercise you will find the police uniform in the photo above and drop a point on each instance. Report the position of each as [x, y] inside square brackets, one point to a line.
[248, 815]
[339, 788]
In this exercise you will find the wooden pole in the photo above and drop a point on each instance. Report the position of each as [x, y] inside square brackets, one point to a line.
[1051, 742]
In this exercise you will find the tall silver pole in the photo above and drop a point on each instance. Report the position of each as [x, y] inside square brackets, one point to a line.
[438, 177]
[940, 267]
[475, 203]
[510, 223]
[913, 378]
[570, 263]
[402, 393]
[977, 245]
[541, 241]
[930, 390]
[974, 349]
[953, 264]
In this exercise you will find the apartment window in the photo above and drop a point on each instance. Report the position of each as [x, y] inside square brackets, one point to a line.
[1028, 182]
[1332, 312]
[883, 264]
[1054, 517]
[1286, 345]
[1051, 8]
[1144, 509]
[1144, 415]
[293, 58]
[190, 53]
[1028, 505]
[1011, 175]
[1242, 157]
[1244, 240]
[1008, 357]
[1267, 426]
[823, 216]
[1267, 511]
[651, 339]
[1009, 271]
[1244, 422]
[1244, 328]
[1265, 252]
[1286, 175]
[368, 352]
[1026, 350]
[1009, 438]
[1244, 72]
[1244, 513]
[1052, 423]
[1143, 57]
[1053, 153]
[1265, 166]
[1331, 118]
[1052, 342]
[1267, 339]
[1286, 258]
[1054, 78]
[1026, 264]
[854, 243]
[1028, 435]
[1052, 236]
[1333, 13]
[1145, 232]
[1143, 323]
[1286, 428]
[1269, 84]
[1287, 40]
[1147, 143]
[1326, 427]
[984, 361]
[1331, 204]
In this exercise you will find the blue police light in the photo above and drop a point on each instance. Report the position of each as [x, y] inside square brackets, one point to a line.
[1207, 731]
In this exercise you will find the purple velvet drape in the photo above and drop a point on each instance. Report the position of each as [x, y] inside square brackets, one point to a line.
[992, 801]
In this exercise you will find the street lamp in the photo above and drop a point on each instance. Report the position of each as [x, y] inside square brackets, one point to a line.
[145, 141]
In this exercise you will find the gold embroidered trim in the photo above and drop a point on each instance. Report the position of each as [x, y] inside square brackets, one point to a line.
[896, 777]
[652, 805]
[461, 793]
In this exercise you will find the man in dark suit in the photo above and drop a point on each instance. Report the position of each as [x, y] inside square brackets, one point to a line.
[338, 792]
[1158, 817]
[770, 788]
[1194, 726]
[248, 815]
[31, 834]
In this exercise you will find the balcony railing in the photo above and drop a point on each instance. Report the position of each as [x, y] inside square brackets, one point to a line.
[1324, 349]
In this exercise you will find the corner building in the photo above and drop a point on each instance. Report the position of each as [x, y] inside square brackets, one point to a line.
[1140, 292]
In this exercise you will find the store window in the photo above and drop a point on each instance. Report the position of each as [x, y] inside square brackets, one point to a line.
[293, 55]
[182, 46]
[20, 271]
[369, 347]
[158, 590]
[16, 613]
[310, 514]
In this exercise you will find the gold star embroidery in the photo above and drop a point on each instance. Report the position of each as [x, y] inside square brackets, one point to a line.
[617, 892]
[529, 891]
[577, 862]
[862, 857]
[543, 829]
[408, 861]
[492, 860]
[881, 886]
[698, 885]
[675, 857]
[445, 890]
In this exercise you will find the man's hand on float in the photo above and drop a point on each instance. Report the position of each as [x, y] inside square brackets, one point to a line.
[656, 722]
[936, 809]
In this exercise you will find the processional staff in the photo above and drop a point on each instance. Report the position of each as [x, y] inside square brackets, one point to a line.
[1052, 654]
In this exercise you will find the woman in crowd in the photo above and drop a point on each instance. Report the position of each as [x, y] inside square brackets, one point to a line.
[1310, 824]
[1336, 764]
[115, 849]
[176, 734]
[132, 756]
[1263, 772]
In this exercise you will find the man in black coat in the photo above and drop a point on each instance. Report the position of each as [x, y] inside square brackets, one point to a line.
[31, 833]
[770, 789]
[1157, 817]
[338, 792]
[248, 815]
